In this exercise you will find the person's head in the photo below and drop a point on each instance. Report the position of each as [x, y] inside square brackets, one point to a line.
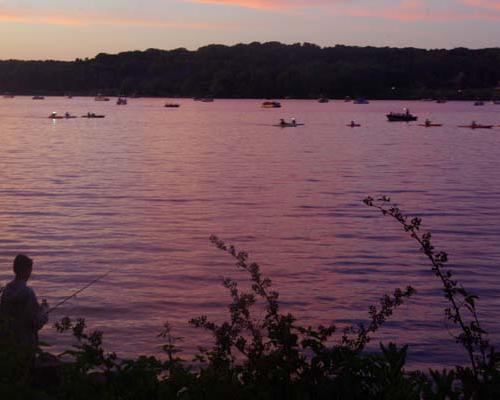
[23, 265]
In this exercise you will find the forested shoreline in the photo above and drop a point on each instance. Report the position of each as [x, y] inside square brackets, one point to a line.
[266, 70]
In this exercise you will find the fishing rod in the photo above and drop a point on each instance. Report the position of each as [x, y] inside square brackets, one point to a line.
[78, 291]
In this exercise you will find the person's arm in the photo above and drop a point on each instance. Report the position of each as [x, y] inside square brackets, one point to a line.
[38, 313]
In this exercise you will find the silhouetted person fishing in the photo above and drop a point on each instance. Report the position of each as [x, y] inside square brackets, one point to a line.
[20, 313]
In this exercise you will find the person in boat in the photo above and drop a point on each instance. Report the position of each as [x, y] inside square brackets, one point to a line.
[353, 123]
[53, 115]
[89, 114]
[282, 122]
[294, 122]
[428, 122]
[473, 124]
[66, 114]
[20, 313]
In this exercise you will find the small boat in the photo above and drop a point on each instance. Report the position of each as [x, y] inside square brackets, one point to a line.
[405, 116]
[475, 125]
[122, 101]
[323, 100]
[496, 102]
[92, 115]
[361, 100]
[8, 96]
[479, 103]
[353, 125]
[271, 104]
[172, 105]
[292, 124]
[441, 101]
[347, 99]
[38, 98]
[429, 124]
[100, 97]
[289, 125]
[55, 116]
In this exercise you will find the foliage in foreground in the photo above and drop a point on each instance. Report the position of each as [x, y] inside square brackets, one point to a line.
[273, 357]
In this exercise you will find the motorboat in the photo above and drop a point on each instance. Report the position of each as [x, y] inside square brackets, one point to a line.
[404, 116]
[271, 104]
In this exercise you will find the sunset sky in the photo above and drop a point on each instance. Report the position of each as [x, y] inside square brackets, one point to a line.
[66, 29]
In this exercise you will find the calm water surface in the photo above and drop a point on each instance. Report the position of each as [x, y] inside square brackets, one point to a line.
[142, 190]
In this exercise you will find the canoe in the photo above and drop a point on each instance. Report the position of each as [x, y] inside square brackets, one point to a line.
[430, 125]
[476, 126]
[288, 125]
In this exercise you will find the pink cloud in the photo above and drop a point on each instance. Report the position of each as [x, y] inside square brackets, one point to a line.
[53, 18]
[409, 10]
[274, 5]
[484, 4]
[417, 10]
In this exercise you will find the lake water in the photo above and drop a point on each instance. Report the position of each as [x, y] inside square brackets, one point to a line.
[141, 191]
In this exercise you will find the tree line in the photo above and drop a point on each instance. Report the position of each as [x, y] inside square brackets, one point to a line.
[265, 70]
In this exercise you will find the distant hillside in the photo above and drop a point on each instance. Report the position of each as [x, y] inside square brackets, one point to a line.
[267, 70]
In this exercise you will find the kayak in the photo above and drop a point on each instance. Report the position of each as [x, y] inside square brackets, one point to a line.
[476, 126]
[288, 125]
[430, 125]
[353, 125]
[61, 116]
[93, 116]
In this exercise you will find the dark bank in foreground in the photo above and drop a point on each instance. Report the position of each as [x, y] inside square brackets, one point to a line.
[273, 357]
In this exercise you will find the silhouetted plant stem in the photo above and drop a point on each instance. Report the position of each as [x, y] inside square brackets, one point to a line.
[471, 336]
